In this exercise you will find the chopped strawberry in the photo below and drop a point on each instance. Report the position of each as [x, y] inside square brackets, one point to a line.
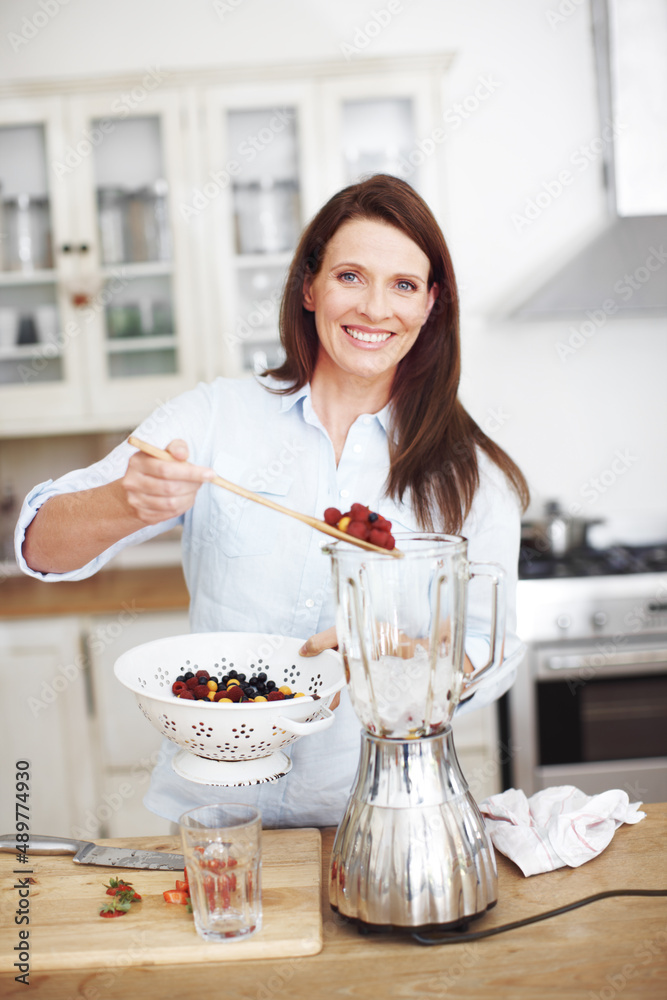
[182, 886]
[115, 908]
[117, 885]
[175, 896]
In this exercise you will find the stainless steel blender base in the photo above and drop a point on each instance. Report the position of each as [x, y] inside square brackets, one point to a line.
[411, 850]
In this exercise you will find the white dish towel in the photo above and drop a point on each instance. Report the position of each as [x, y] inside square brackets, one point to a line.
[557, 826]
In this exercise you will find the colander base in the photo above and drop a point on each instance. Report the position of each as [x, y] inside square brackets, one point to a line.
[204, 771]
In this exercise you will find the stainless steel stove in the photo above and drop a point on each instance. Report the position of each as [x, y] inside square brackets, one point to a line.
[589, 707]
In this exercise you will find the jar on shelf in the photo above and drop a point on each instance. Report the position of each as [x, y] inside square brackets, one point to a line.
[27, 225]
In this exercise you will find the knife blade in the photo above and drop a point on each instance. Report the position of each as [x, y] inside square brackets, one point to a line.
[87, 853]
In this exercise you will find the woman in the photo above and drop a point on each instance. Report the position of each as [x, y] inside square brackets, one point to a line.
[363, 408]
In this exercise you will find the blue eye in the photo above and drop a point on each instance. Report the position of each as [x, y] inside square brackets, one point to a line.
[347, 274]
[406, 286]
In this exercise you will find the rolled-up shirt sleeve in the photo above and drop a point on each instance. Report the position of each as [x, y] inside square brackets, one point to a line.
[178, 418]
[110, 468]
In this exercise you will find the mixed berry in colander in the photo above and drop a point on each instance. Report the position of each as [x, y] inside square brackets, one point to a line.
[232, 687]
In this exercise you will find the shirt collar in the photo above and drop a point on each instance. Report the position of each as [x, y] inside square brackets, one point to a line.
[288, 402]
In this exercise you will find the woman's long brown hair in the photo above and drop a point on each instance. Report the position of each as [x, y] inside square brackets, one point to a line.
[433, 440]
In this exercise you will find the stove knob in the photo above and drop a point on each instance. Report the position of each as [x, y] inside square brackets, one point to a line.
[563, 622]
[600, 618]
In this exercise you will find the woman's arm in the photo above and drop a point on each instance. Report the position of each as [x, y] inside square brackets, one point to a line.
[71, 529]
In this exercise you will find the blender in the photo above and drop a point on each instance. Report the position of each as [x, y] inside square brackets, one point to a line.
[411, 851]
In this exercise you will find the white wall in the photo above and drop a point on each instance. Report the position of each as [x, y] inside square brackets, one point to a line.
[563, 420]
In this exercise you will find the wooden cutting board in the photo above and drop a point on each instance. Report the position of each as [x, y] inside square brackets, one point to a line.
[66, 931]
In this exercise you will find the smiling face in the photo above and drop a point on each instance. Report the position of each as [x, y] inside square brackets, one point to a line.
[370, 298]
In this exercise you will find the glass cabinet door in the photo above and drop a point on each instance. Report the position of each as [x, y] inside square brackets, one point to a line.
[381, 124]
[38, 359]
[138, 281]
[258, 137]
[133, 228]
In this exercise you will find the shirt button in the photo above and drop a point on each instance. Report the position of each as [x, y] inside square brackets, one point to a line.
[345, 494]
[367, 420]
[357, 448]
[310, 603]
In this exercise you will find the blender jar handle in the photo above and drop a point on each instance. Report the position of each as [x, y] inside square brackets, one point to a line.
[496, 574]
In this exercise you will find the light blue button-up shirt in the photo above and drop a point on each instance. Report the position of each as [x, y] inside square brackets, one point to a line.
[250, 570]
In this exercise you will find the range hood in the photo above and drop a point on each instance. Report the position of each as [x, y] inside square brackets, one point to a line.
[623, 270]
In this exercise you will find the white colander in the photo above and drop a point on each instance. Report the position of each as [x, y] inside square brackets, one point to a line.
[237, 744]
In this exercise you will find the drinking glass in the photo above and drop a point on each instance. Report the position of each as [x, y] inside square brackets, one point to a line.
[222, 847]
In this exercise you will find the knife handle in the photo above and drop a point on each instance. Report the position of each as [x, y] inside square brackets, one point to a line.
[43, 845]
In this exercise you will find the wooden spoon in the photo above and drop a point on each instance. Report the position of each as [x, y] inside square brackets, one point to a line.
[313, 522]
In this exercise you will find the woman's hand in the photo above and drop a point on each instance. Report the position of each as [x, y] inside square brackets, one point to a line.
[317, 644]
[156, 490]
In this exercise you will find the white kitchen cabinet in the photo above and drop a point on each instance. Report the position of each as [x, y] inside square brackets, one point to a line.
[99, 336]
[172, 209]
[90, 749]
[41, 371]
[46, 719]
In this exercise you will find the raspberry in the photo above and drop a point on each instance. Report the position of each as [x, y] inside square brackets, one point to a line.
[202, 674]
[191, 683]
[201, 691]
[332, 515]
[275, 696]
[359, 512]
[380, 538]
[359, 530]
[187, 694]
[234, 693]
[178, 687]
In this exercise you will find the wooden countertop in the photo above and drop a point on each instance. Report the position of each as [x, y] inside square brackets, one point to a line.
[159, 588]
[613, 948]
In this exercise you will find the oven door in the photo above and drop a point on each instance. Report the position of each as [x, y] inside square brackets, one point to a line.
[594, 716]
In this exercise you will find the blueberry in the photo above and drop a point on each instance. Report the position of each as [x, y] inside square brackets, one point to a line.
[225, 678]
[186, 677]
[250, 691]
[181, 678]
[261, 677]
[240, 677]
[233, 674]
[373, 516]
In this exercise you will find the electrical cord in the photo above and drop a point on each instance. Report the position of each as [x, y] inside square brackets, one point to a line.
[458, 937]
